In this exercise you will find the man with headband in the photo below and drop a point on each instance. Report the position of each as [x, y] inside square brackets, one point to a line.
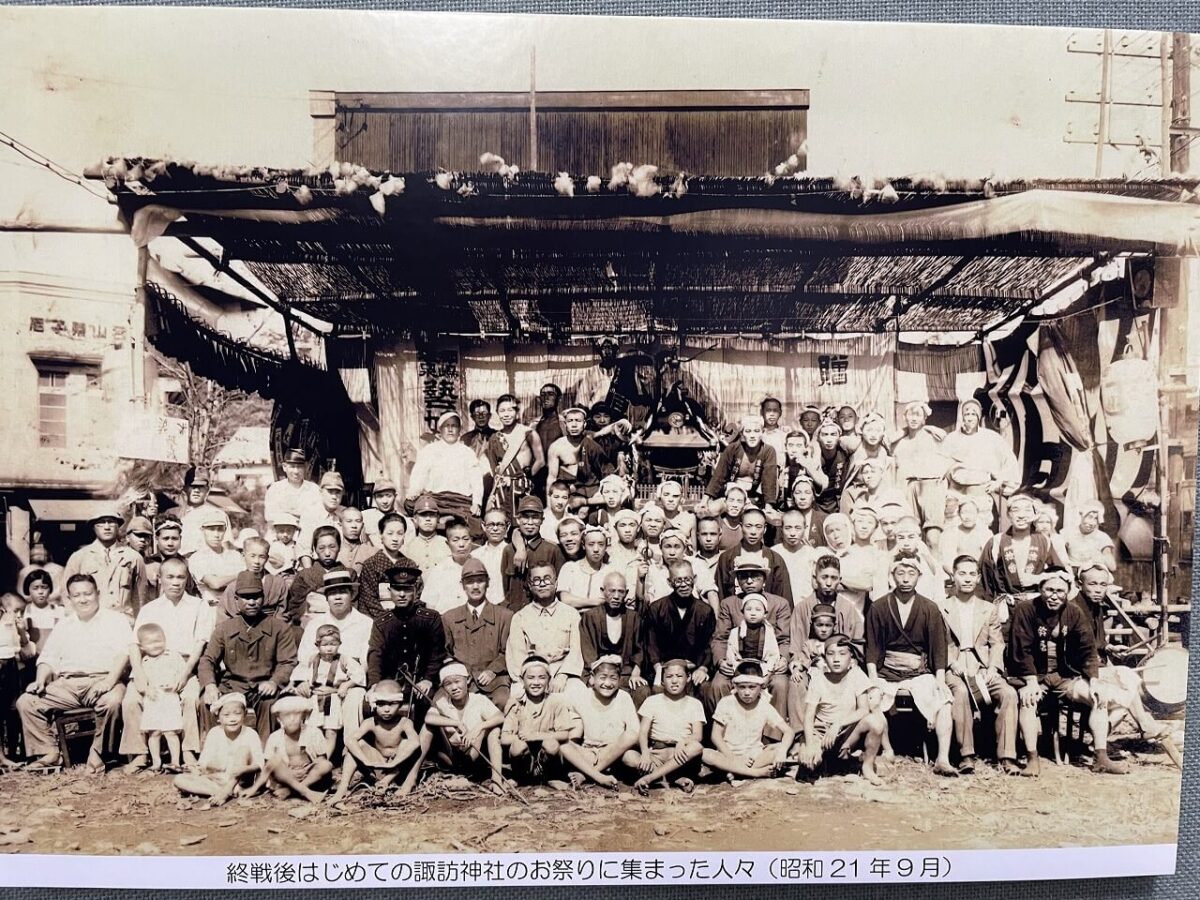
[835, 465]
[921, 469]
[982, 462]
[1013, 561]
[1053, 648]
[906, 651]
[748, 463]
[576, 459]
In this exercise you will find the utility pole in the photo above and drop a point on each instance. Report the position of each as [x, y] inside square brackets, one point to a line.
[1182, 132]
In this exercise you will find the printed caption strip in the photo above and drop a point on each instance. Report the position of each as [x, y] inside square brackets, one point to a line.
[520, 869]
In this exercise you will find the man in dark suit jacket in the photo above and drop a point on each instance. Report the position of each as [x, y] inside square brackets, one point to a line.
[779, 579]
[477, 633]
[611, 629]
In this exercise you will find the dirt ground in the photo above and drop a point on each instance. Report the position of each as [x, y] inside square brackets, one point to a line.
[121, 813]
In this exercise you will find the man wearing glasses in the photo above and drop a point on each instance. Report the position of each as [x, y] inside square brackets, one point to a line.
[548, 628]
[1053, 647]
[678, 626]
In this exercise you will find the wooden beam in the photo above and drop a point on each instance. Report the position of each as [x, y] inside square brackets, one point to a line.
[448, 101]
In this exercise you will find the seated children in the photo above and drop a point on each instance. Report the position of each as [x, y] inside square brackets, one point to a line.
[669, 737]
[841, 710]
[326, 682]
[610, 727]
[383, 742]
[810, 656]
[162, 708]
[231, 757]
[296, 759]
[464, 721]
[739, 725]
[537, 724]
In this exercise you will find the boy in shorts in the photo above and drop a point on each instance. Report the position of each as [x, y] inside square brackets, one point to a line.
[383, 742]
[465, 722]
[538, 723]
[231, 757]
[295, 754]
[671, 729]
[739, 729]
[610, 727]
[841, 711]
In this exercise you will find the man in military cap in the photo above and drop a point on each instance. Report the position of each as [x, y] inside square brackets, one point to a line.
[195, 494]
[477, 635]
[251, 653]
[294, 493]
[408, 646]
[118, 570]
[327, 511]
[138, 535]
[214, 565]
[383, 501]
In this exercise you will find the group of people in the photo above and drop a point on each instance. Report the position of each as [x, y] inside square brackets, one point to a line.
[516, 615]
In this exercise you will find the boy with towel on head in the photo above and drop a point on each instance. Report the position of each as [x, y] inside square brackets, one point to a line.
[739, 729]
[231, 758]
[610, 728]
[538, 723]
[672, 724]
[465, 721]
[383, 743]
[295, 755]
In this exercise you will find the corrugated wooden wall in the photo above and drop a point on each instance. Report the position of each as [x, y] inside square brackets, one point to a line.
[683, 133]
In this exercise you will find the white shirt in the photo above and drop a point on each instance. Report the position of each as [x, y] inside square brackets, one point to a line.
[283, 497]
[577, 577]
[185, 624]
[447, 468]
[491, 556]
[191, 535]
[355, 631]
[205, 562]
[87, 648]
[800, 563]
[549, 529]
[443, 588]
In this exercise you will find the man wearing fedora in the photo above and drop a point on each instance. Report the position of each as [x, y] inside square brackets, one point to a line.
[118, 570]
[250, 653]
[196, 485]
[293, 494]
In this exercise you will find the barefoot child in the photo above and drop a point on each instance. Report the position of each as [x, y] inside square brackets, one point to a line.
[610, 727]
[669, 738]
[295, 754]
[839, 714]
[465, 721]
[537, 724]
[739, 724]
[326, 682]
[382, 743]
[231, 758]
[162, 709]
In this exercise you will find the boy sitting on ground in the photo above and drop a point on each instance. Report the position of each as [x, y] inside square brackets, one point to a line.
[465, 721]
[739, 729]
[231, 758]
[610, 727]
[841, 711]
[669, 738]
[383, 742]
[537, 724]
[295, 754]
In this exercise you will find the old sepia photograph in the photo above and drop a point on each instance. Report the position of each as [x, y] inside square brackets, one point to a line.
[482, 435]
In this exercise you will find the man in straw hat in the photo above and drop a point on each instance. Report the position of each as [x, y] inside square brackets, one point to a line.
[906, 651]
[118, 570]
[354, 630]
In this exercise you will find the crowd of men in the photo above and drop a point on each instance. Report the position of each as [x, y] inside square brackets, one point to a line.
[516, 613]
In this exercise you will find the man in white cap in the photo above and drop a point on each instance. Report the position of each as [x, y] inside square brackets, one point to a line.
[327, 511]
[118, 570]
[1088, 544]
[982, 463]
[214, 565]
[293, 494]
[448, 469]
[906, 651]
[195, 494]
